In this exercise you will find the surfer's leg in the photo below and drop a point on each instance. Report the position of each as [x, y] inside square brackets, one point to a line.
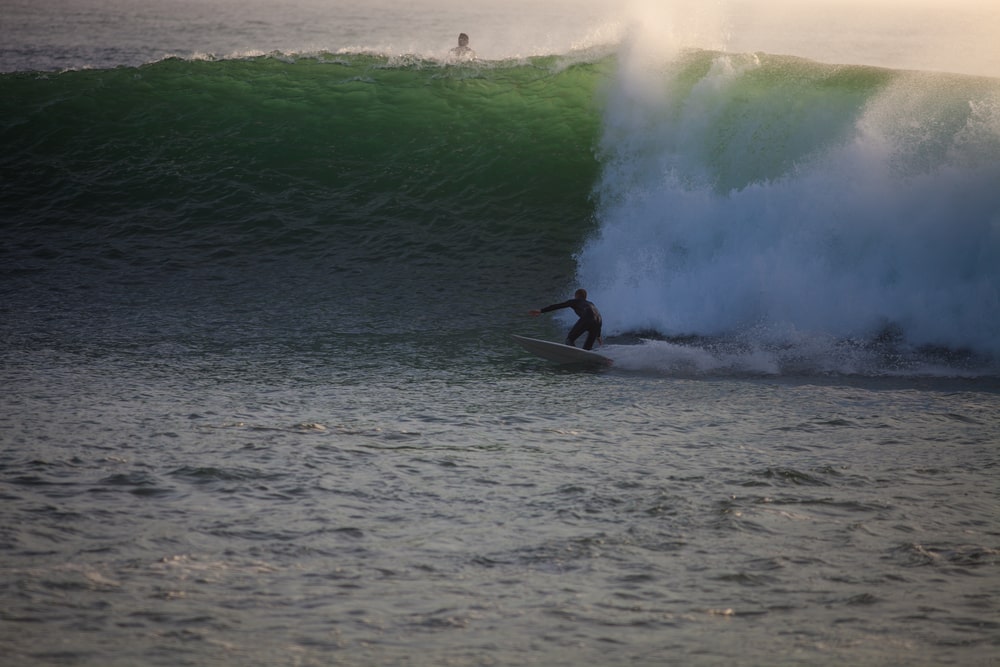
[574, 333]
[593, 333]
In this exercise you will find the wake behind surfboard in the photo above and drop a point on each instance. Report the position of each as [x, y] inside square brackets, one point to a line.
[561, 354]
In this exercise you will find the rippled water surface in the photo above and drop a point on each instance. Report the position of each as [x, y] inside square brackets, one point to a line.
[493, 512]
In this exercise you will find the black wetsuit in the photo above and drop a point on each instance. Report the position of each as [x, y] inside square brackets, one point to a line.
[590, 320]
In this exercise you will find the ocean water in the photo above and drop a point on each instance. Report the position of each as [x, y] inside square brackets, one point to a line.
[259, 269]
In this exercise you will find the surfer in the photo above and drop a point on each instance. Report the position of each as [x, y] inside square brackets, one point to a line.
[590, 319]
[463, 51]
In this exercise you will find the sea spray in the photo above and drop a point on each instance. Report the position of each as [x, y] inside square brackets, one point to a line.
[774, 200]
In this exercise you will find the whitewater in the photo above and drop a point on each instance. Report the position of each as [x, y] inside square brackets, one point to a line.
[794, 203]
[261, 264]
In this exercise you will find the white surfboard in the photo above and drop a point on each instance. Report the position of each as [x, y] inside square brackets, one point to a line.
[561, 354]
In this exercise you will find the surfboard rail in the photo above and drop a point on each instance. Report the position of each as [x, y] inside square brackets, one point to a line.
[560, 353]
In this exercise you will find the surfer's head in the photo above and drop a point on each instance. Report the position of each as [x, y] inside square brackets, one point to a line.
[463, 39]
[581, 293]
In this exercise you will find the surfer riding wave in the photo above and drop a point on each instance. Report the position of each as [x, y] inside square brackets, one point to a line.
[589, 322]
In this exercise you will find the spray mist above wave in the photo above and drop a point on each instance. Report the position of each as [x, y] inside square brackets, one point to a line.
[779, 201]
[95, 34]
[957, 36]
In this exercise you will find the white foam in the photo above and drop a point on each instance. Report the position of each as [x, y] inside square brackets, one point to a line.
[839, 224]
